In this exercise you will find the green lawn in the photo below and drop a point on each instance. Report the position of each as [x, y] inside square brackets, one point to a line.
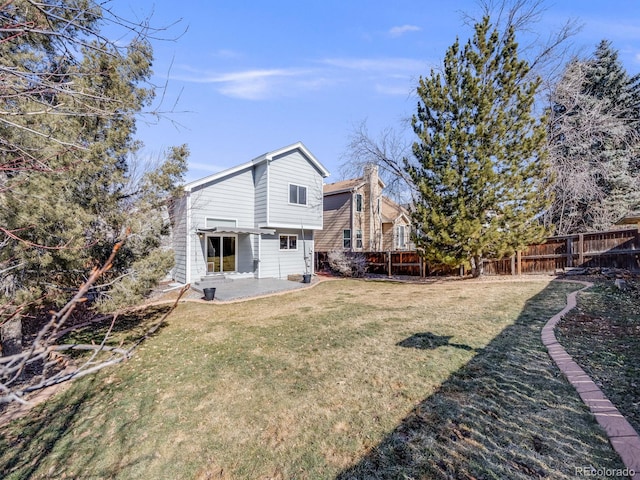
[350, 379]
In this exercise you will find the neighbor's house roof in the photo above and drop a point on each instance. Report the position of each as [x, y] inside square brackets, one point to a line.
[342, 186]
[391, 211]
[346, 185]
[630, 219]
[258, 160]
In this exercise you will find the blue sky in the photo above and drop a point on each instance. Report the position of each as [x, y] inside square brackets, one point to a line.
[248, 77]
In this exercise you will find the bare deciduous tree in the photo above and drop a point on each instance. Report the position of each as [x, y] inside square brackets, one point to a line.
[593, 142]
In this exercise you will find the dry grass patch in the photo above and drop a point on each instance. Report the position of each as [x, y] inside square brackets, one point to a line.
[311, 384]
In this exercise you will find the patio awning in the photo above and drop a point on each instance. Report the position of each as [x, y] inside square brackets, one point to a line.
[237, 230]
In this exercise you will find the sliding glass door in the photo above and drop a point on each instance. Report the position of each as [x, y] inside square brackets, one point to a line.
[221, 254]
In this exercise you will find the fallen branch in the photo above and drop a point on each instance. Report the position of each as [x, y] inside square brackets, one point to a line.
[15, 364]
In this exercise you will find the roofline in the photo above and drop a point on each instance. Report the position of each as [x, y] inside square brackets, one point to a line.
[256, 161]
[342, 190]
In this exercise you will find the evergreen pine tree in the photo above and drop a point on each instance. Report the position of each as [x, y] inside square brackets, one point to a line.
[69, 104]
[480, 168]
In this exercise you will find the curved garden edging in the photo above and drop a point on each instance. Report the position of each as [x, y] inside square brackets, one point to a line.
[624, 439]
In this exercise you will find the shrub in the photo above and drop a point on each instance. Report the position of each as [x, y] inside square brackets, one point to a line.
[347, 264]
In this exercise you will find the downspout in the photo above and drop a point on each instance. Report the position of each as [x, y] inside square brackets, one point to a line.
[258, 269]
[351, 219]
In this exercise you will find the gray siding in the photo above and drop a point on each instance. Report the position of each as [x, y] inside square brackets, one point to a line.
[261, 184]
[178, 216]
[230, 197]
[294, 168]
[281, 263]
[253, 195]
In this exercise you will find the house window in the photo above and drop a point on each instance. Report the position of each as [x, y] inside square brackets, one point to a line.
[346, 238]
[358, 202]
[297, 194]
[288, 242]
[400, 236]
[358, 238]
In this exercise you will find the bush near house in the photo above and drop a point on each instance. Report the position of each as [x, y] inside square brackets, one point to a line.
[347, 264]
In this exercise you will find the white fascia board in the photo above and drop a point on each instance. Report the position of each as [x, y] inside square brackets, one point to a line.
[300, 146]
[291, 226]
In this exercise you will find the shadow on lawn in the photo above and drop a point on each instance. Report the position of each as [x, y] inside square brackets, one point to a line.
[429, 341]
[508, 413]
[54, 427]
[65, 421]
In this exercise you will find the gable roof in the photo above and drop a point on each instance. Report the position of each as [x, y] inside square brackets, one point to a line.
[258, 160]
[629, 219]
[346, 185]
[342, 186]
[391, 211]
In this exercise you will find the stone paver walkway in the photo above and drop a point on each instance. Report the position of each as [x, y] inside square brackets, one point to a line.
[623, 437]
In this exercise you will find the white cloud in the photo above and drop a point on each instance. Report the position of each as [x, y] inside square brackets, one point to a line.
[268, 83]
[401, 30]
[394, 90]
[226, 53]
[250, 84]
[390, 65]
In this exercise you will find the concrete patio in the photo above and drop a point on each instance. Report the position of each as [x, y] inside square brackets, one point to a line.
[243, 288]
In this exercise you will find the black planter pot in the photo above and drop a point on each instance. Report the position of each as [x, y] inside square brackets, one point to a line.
[209, 293]
[306, 278]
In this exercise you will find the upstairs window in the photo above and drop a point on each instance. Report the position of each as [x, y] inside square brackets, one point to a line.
[297, 194]
[358, 202]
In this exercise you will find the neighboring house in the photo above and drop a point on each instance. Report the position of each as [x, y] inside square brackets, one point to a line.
[632, 218]
[357, 217]
[255, 220]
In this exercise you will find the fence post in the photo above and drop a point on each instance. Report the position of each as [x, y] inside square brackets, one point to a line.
[513, 264]
[580, 249]
[570, 252]
[388, 264]
[519, 262]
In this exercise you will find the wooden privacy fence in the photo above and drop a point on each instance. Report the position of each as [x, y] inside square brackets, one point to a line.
[611, 249]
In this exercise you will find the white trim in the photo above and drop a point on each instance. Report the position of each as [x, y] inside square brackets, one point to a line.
[189, 253]
[345, 238]
[267, 157]
[290, 226]
[206, 252]
[306, 194]
[280, 235]
[300, 146]
[258, 272]
[355, 244]
[268, 165]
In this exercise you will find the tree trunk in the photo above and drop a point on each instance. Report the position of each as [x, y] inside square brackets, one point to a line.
[476, 269]
[11, 337]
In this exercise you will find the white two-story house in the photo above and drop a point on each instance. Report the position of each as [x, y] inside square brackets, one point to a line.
[254, 220]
